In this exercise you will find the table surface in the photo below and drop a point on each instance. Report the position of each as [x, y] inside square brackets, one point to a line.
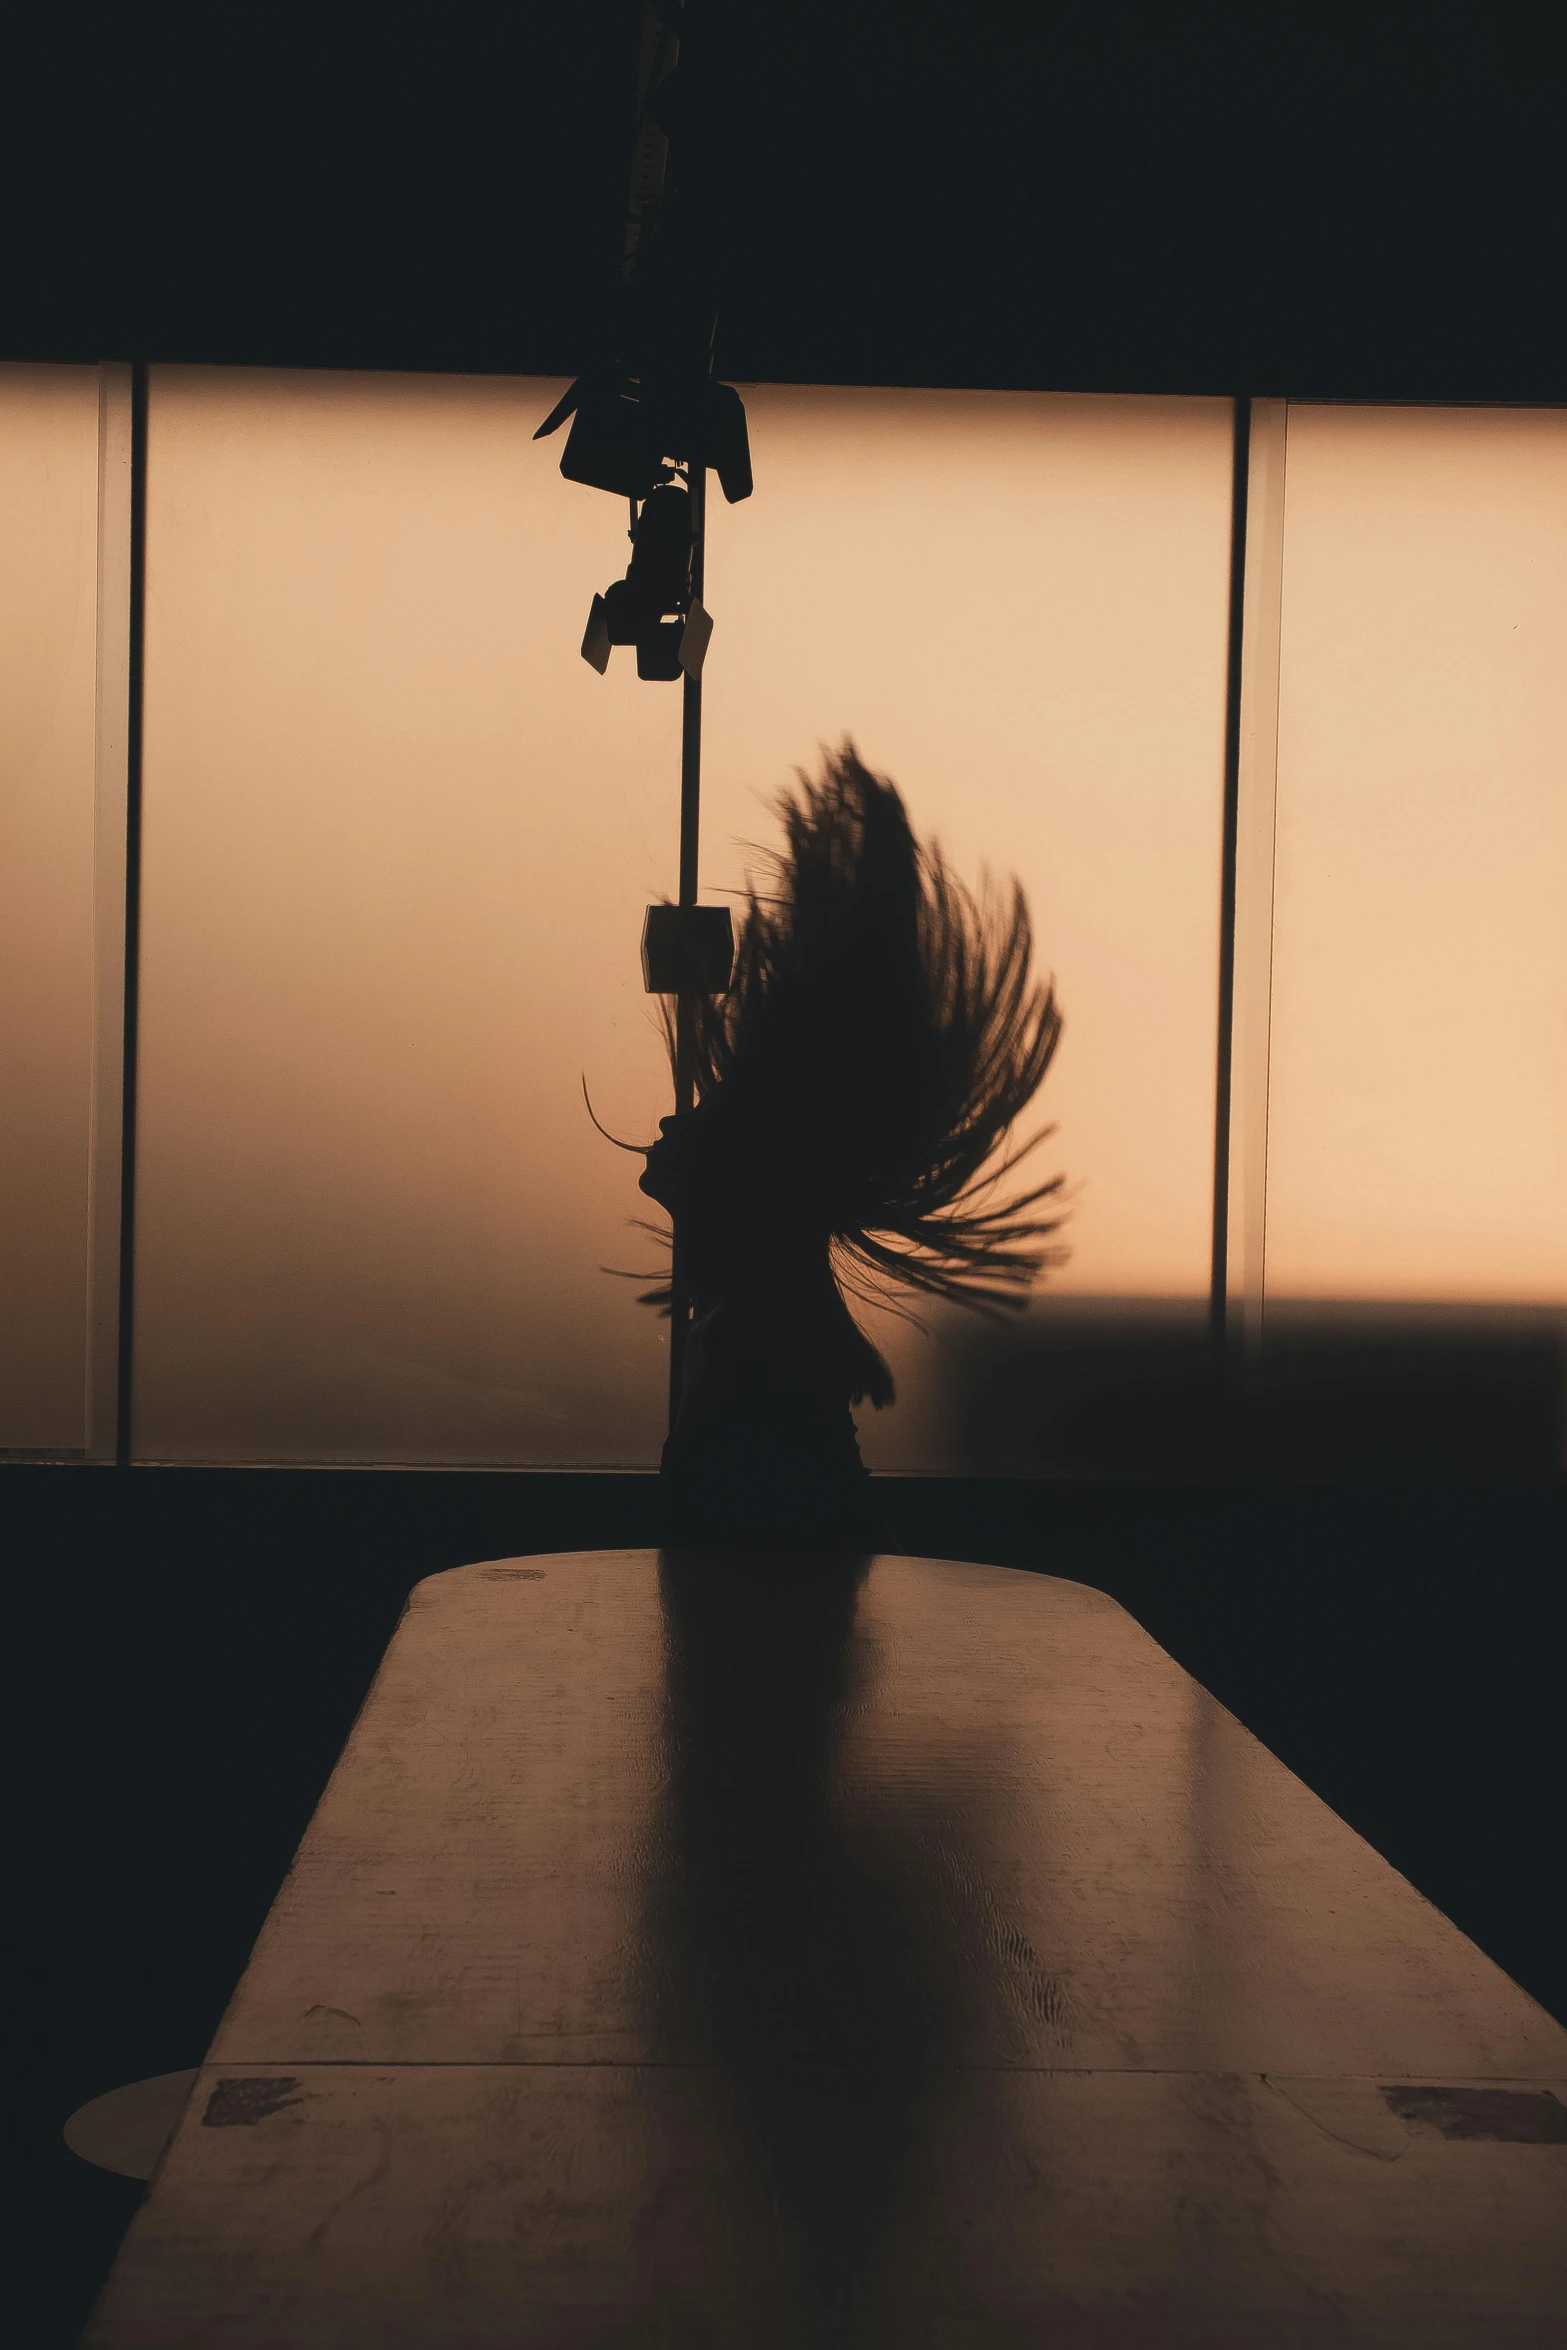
[709, 1950]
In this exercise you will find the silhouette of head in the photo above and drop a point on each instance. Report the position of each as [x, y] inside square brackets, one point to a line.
[882, 1035]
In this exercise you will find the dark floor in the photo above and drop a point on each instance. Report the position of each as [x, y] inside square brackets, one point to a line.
[188, 1648]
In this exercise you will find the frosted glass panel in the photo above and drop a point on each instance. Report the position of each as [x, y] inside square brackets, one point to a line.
[1017, 605]
[1417, 1144]
[398, 838]
[397, 842]
[48, 700]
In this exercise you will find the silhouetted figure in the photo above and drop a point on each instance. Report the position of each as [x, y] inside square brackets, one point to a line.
[882, 1035]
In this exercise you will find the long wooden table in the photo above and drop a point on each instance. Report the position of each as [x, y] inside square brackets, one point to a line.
[720, 1951]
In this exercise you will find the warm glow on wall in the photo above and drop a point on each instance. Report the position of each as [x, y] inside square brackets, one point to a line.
[399, 837]
[48, 590]
[1417, 1126]
[398, 840]
[1017, 607]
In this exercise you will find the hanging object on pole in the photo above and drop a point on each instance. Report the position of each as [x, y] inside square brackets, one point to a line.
[648, 423]
[645, 422]
[688, 946]
[694, 638]
[628, 429]
[652, 401]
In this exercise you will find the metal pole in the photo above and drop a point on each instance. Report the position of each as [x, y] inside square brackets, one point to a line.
[133, 791]
[1218, 1301]
[685, 1001]
[691, 708]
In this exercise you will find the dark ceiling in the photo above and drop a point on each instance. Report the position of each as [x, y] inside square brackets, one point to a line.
[1366, 201]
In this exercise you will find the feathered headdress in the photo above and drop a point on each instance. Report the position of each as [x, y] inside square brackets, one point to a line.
[882, 1036]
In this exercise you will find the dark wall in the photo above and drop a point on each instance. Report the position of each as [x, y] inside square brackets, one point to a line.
[188, 1648]
[1360, 198]
[1125, 1387]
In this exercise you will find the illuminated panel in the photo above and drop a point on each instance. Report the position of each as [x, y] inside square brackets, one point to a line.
[398, 837]
[48, 698]
[1417, 1144]
[1017, 605]
[397, 842]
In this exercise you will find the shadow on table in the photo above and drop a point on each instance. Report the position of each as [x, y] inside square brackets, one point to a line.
[803, 1956]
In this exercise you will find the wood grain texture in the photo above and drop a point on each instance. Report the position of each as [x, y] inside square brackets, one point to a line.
[714, 1950]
